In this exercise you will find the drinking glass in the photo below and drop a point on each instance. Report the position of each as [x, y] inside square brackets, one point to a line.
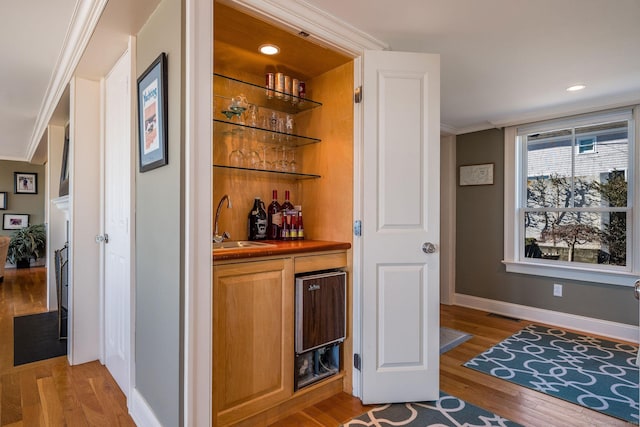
[236, 157]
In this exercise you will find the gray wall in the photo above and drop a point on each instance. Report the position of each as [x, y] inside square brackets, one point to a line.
[32, 204]
[159, 230]
[479, 249]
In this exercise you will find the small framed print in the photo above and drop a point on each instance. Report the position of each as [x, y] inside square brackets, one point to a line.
[15, 221]
[152, 115]
[25, 183]
[476, 174]
[3, 200]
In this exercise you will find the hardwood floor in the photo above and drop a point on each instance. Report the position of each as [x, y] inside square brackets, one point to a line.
[519, 404]
[50, 392]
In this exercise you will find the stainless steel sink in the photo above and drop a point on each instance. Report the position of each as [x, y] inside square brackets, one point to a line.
[240, 244]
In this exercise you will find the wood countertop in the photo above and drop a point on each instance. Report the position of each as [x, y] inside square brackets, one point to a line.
[279, 248]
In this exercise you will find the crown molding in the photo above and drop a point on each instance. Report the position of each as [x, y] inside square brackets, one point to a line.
[83, 22]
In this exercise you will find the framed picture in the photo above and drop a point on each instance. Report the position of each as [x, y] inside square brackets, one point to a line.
[15, 221]
[64, 168]
[3, 200]
[476, 174]
[25, 183]
[152, 115]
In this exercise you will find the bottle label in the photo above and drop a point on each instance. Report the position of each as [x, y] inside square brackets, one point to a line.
[261, 229]
[276, 219]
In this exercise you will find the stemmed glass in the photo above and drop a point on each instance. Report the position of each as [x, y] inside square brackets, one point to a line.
[252, 158]
[293, 165]
[236, 157]
[237, 107]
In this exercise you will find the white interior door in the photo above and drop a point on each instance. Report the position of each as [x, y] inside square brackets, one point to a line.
[117, 215]
[401, 199]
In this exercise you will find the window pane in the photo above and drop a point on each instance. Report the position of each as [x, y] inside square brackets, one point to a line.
[549, 169]
[602, 170]
[586, 237]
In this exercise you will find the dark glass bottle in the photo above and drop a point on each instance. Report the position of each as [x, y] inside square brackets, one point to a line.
[257, 221]
[287, 205]
[274, 218]
[286, 209]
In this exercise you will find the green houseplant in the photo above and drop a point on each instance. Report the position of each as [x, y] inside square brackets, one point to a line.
[27, 243]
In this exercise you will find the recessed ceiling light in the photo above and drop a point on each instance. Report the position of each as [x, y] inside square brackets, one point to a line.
[575, 88]
[269, 49]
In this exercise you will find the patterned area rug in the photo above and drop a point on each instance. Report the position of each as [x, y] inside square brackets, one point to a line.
[594, 373]
[446, 411]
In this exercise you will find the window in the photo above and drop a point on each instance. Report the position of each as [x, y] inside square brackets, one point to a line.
[586, 145]
[568, 206]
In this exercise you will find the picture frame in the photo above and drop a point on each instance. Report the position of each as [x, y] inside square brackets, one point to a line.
[152, 115]
[64, 167]
[481, 174]
[14, 221]
[25, 183]
[3, 200]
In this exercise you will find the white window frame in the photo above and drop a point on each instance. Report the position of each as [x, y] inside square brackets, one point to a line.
[514, 171]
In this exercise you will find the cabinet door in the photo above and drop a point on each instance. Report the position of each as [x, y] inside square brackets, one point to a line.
[252, 337]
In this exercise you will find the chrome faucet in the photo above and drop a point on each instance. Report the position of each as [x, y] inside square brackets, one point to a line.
[217, 238]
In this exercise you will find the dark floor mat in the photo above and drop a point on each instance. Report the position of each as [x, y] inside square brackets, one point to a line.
[35, 337]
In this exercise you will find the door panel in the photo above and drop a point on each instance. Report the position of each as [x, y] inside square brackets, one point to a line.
[117, 214]
[400, 291]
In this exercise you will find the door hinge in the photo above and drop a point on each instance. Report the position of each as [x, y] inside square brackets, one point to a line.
[357, 362]
[357, 96]
[357, 228]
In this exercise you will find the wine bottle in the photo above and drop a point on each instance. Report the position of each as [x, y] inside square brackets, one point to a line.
[286, 208]
[274, 219]
[287, 205]
[257, 221]
[300, 225]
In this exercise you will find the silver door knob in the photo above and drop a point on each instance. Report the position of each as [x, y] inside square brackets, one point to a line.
[428, 248]
[102, 238]
[636, 290]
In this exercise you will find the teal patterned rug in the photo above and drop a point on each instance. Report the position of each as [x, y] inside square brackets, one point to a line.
[446, 411]
[594, 373]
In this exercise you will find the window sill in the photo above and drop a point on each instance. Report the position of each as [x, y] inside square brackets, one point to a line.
[621, 278]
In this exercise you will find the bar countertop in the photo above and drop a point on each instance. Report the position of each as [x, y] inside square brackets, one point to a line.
[278, 247]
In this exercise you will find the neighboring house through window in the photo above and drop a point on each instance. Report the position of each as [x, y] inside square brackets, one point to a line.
[570, 198]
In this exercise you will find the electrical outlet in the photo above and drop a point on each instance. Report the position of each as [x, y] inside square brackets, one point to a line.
[557, 290]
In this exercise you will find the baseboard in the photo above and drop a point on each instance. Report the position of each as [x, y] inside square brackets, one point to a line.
[621, 331]
[141, 412]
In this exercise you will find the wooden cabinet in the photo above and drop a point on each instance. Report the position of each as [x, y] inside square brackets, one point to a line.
[253, 337]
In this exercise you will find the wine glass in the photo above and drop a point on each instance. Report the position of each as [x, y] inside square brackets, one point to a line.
[236, 157]
[252, 158]
[238, 106]
[293, 165]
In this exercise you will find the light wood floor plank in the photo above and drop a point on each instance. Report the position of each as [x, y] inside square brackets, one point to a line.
[51, 407]
[50, 392]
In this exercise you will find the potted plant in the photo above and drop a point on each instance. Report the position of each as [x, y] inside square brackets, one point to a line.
[27, 243]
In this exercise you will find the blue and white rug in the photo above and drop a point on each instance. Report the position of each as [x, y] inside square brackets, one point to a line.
[594, 373]
[446, 411]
